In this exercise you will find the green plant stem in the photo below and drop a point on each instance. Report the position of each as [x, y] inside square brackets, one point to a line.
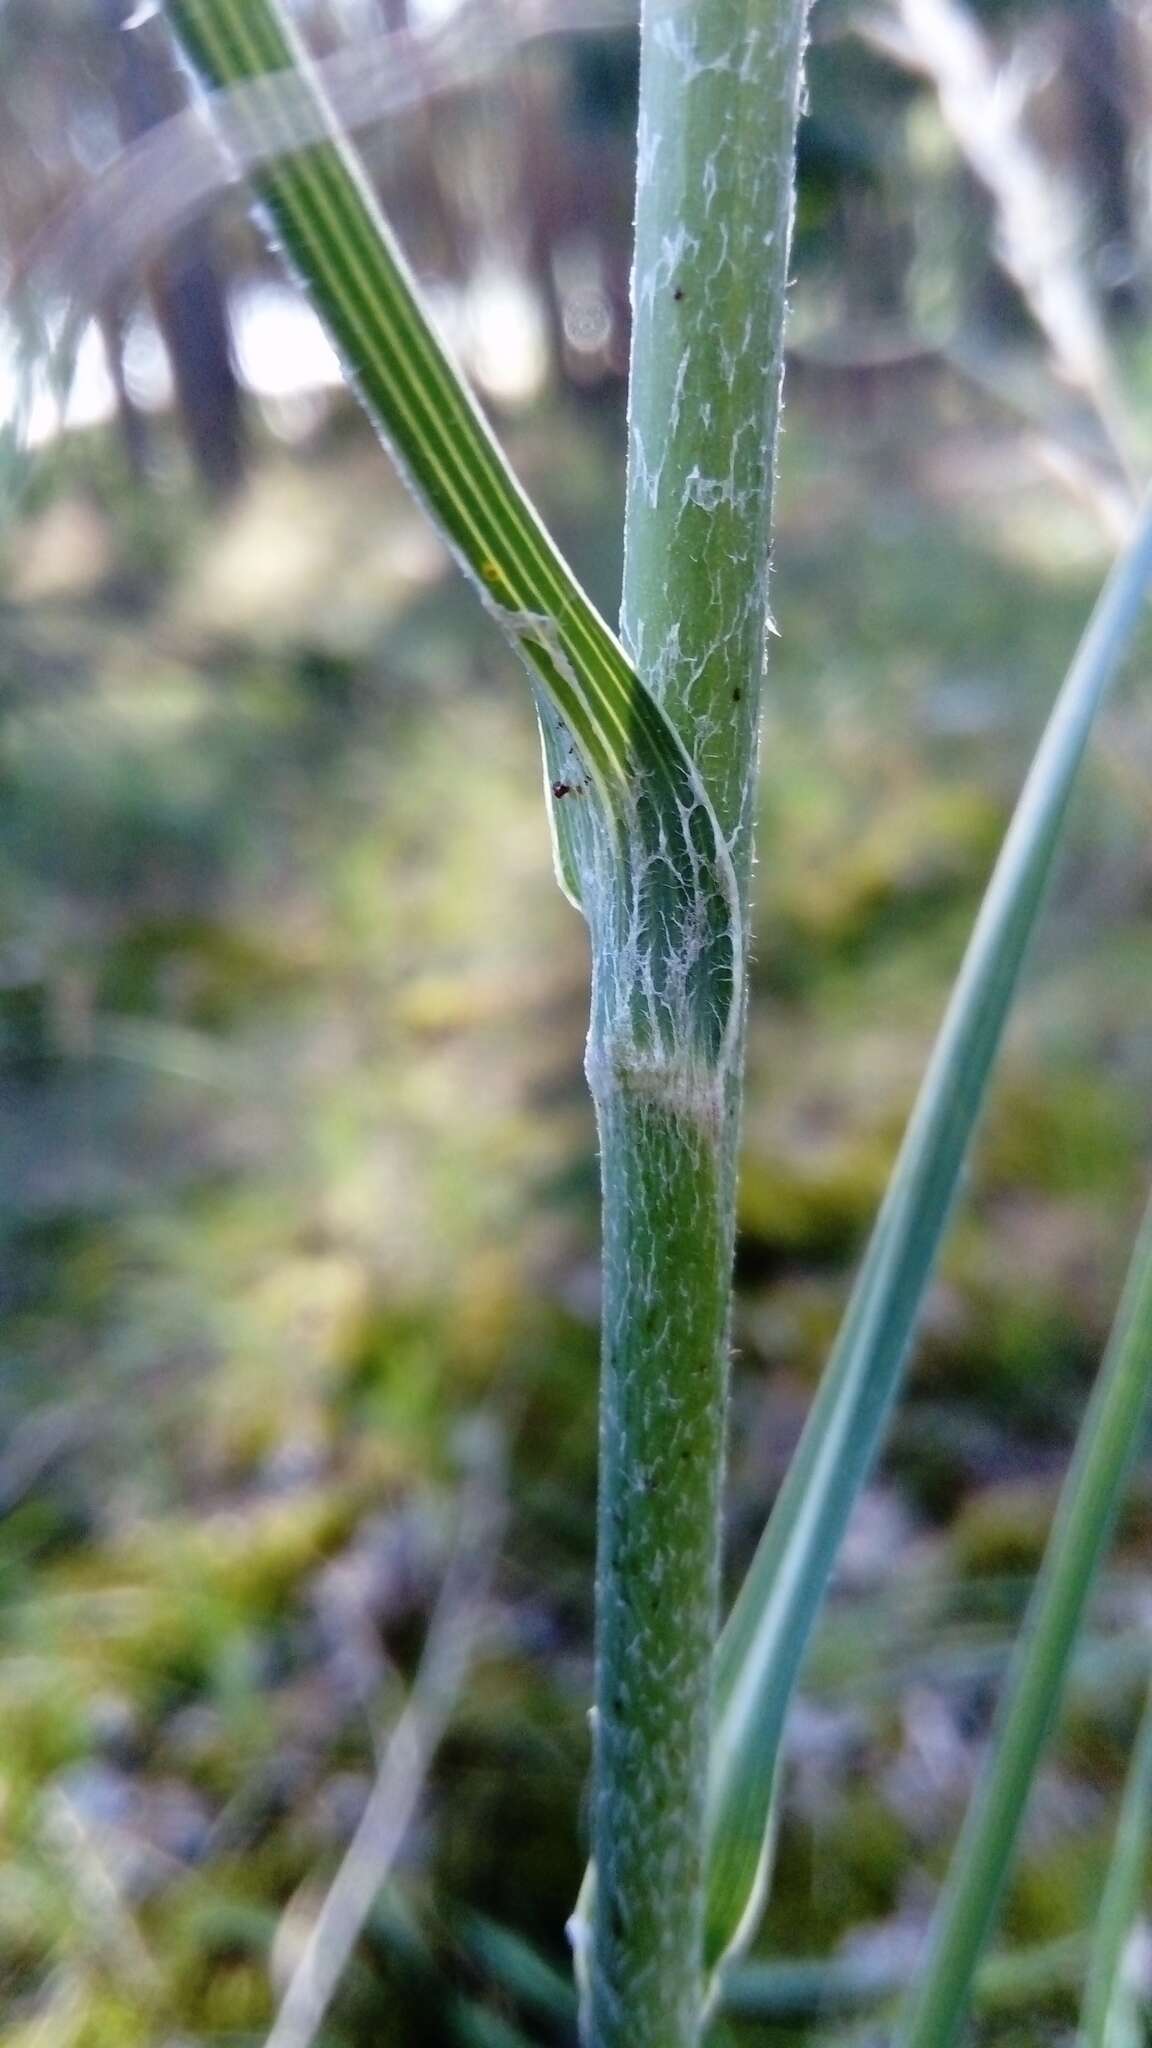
[1108, 1444]
[666, 1263]
[719, 102]
[719, 95]
[1109, 2016]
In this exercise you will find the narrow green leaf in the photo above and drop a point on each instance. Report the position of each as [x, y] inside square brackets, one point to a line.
[1111, 2016]
[1107, 1446]
[766, 1637]
[637, 840]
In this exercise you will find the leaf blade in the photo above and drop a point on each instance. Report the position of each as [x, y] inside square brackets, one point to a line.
[645, 854]
[1106, 1450]
[763, 1643]
[1108, 2015]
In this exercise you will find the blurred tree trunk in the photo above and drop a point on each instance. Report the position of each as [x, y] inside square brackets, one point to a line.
[578, 128]
[130, 418]
[405, 157]
[1101, 132]
[185, 287]
[1138, 50]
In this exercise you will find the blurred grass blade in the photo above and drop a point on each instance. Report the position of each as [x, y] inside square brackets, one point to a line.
[767, 1634]
[1109, 1441]
[519, 1971]
[845, 1986]
[637, 840]
[1111, 2014]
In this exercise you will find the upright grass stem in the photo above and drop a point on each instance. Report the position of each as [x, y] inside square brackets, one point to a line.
[719, 94]
[667, 1254]
[1110, 2016]
[1106, 1450]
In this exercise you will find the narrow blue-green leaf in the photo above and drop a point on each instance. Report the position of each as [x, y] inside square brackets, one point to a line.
[637, 839]
[1111, 2014]
[766, 1637]
[1109, 1441]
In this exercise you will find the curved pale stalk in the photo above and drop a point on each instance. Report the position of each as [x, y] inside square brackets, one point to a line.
[764, 1642]
[1106, 1450]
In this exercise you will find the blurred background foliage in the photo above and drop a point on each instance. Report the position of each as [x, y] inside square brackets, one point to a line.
[297, 1177]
